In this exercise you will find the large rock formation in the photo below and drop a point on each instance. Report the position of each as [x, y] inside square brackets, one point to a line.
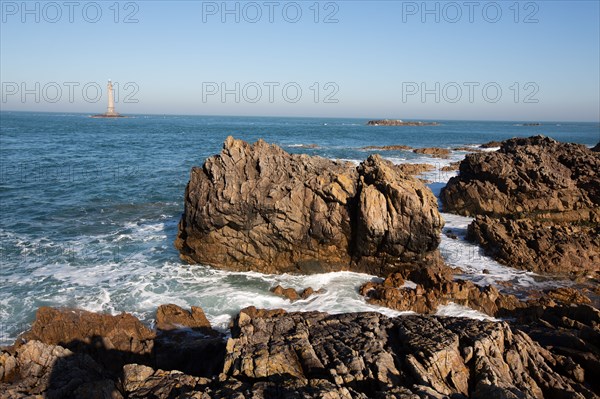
[528, 176]
[542, 202]
[539, 246]
[274, 354]
[256, 207]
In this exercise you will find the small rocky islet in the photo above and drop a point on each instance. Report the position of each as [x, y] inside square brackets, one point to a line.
[256, 207]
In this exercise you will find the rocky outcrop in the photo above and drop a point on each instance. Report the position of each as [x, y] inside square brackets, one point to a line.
[539, 246]
[541, 201]
[256, 207]
[491, 144]
[534, 176]
[433, 151]
[434, 288]
[275, 354]
[388, 147]
[415, 168]
[170, 317]
[397, 122]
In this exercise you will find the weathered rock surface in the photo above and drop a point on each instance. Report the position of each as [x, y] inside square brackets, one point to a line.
[435, 287]
[376, 356]
[539, 246]
[415, 168]
[292, 294]
[170, 317]
[541, 202]
[274, 354]
[491, 144]
[256, 207]
[528, 176]
[433, 151]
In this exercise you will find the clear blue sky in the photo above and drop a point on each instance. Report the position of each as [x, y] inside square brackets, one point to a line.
[377, 57]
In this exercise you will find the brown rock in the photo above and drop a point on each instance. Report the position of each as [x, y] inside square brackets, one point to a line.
[256, 207]
[539, 246]
[388, 147]
[450, 168]
[415, 168]
[433, 151]
[169, 317]
[435, 288]
[288, 293]
[491, 144]
[534, 176]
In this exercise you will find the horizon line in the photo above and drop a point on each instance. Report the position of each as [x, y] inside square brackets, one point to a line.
[311, 117]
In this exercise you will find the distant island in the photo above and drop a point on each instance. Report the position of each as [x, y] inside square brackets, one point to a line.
[398, 122]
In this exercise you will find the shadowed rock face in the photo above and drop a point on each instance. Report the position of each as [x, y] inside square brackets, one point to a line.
[538, 203]
[256, 207]
[535, 175]
[274, 354]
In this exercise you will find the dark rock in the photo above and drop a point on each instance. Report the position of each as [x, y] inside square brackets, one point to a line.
[528, 176]
[539, 246]
[256, 207]
[397, 122]
[491, 144]
[596, 148]
[388, 147]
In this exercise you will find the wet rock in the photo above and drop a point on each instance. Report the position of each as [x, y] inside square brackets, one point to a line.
[256, 207]
[433, 151]
[451, 168]
[288, 293]
[435, 288]
[540, 246]
[450, 234]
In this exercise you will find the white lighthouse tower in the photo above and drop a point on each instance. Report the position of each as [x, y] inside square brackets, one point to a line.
[110, 110]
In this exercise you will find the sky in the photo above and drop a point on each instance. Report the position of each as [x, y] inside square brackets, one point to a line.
[503, 60]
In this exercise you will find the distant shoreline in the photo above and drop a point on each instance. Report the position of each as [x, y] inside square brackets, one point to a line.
[398, 122]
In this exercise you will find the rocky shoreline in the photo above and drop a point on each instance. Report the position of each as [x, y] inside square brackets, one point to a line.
[255, 207]
[397, 122]
[546, 350]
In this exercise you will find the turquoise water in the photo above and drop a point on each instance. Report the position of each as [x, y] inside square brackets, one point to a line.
[89, 207]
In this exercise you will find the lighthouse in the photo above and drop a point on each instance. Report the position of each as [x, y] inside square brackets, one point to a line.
[110, 110]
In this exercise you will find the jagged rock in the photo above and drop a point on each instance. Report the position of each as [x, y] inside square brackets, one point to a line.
[55, 372]
[491, 144]
[256, 207]
[568, 295]
[170, 317]
[415, 168]
[450, 168]
[379, 357]
[435, 288]
[528, 176]
[112, 340]
[141, 381]
[433, 151]
[292, 294]
[539, 246]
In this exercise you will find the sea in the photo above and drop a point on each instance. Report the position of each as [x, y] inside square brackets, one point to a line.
[89, 211]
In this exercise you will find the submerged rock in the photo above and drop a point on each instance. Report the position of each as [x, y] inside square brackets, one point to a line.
[256, 207]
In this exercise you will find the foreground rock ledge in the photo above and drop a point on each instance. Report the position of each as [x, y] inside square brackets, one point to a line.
[256, 207]
[274, 354]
